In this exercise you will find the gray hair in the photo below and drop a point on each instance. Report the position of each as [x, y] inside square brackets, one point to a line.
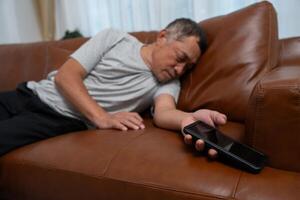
[184, 27]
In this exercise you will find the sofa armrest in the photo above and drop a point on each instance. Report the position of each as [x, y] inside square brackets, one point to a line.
[273, 120]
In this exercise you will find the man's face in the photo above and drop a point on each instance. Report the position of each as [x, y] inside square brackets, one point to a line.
[172, 58]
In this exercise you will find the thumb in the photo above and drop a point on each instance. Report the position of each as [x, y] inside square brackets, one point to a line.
[209, 121]
[218, 118]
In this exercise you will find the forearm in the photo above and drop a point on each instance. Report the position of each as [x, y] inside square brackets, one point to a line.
[171, 119]
[167, 116]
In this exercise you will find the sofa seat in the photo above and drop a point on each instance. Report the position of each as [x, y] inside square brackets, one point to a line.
[143, 164]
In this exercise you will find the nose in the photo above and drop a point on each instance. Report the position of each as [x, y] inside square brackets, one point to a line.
[179, 68]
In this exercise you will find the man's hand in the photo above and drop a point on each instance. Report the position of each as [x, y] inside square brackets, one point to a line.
[121, 120]
[212, 118]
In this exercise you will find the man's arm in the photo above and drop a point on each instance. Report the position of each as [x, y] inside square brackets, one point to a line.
[69, 81]
[167, 116]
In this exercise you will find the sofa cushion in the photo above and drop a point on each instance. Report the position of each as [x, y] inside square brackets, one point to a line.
[100, 164]
[145, 164]
[242, 46]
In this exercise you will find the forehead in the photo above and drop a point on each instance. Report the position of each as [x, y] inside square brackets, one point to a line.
[189, 46]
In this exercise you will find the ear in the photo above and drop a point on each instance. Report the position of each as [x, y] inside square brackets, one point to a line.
[161, 37]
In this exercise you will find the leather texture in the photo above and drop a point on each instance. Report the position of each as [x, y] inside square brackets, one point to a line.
[155, 163]
[243, 46]
[273, 116]
[290, 51]
[145, 164]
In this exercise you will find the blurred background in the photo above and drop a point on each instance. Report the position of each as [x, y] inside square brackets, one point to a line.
[41, 20]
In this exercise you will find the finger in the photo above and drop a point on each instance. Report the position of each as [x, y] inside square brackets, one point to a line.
[212, 153]
[188, 139]
[136, 122]
[142, 126]
[129, 120]
[205, 116]
[140, 119]
[199, 145]
[224, 118]
[210, 121]
[120, 126]
[219, 118]
[137, 116]
[130, 124]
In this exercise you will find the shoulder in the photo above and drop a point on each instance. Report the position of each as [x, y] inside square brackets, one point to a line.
[111, 33]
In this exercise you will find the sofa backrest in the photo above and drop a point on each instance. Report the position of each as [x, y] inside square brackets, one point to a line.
[243, 46]
[249, 54]
[24, 62]
[33, 61]
[20, 62]
[290, 52]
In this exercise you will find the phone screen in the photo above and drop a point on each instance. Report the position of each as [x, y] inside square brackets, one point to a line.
[214, 136]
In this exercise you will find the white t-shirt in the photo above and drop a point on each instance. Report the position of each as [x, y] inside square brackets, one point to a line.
[117, 77]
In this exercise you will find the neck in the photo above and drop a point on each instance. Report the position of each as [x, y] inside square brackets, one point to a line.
[146, 53]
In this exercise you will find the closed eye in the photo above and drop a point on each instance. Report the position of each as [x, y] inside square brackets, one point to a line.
[180, 58]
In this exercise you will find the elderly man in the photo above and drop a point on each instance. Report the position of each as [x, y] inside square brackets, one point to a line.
[105, 84]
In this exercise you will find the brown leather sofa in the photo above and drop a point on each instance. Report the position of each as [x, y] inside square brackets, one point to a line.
[247, 73]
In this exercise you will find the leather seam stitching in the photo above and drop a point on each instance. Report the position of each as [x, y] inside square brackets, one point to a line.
[237, 185]
[165, 188]
[118, 152]
[52, 168]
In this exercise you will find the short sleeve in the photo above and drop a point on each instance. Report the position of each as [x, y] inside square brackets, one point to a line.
[91, 52]
[172, 88]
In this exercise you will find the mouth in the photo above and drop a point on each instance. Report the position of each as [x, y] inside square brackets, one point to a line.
[170, 74]
[166, 75]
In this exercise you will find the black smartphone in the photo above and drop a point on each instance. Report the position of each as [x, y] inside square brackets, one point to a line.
[229, 150]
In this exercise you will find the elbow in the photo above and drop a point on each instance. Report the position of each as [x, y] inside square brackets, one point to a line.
[156, 120]
[62, 80]
[58, 80]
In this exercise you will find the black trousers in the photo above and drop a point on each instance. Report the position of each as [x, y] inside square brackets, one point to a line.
[25, 119]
